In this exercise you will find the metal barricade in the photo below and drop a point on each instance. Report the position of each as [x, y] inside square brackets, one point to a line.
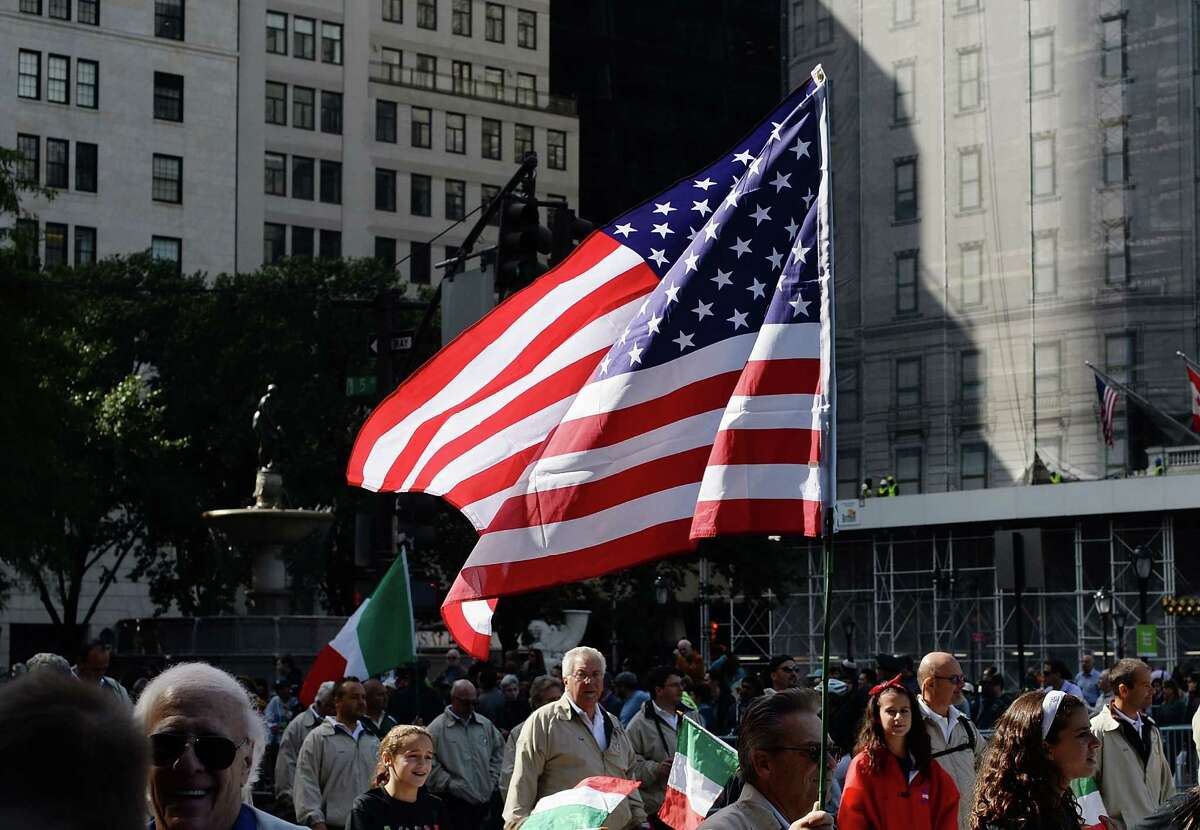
[1180, 750]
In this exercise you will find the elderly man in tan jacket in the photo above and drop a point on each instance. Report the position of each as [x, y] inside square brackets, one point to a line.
[1132, 772]
[569, 740]
[654, 730]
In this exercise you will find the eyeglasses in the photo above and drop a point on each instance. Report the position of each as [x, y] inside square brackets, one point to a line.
[956, 679]
[582, 676]
[812, 750]
[213, 751]
[789, 669]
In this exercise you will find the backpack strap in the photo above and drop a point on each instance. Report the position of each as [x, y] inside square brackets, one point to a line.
[970, 743]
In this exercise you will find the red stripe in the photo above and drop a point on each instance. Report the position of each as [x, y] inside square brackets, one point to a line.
[328, 665]
[608, 784]
[425, 382]
[786, 376]
[677, 813]
[477, 645]
[498, 477]
[801, 517]
[767, 446]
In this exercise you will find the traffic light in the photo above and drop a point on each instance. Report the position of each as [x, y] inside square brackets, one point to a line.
[522, 238]
[567, 230]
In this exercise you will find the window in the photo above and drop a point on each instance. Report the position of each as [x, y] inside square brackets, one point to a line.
[393, 11]
[1118, 357]
[275, 174]
[968, 5]
[973, 466]
[460, 17]
[526, 89]
[487, 195]
[491, 144]
[1047, 372]
[906, 282]
[970, 376]
[385, 190]
[167, 249]
[848, 475]
[824, 23]
[1116, 249]
[1041, 60]
[304, 102]
[58, 79]
[168, 179]
[302, 177]
[29, 168]
[89, 13]
[385, 121]
[331, 182]
[556, 149]
[1044, 174]
[304, 38]
[302, 241]
[1112, 48]
[87, 84]
[908, 383]
[168, 96]
[526, 29]
[274, 236]
[456, 199]
[331, 112]
[426, 72]
[426, 14]
[276, 35]
[29, 74]
[970, 94]
[422, 127]
[420, 195]
[1045, 263]
[58, 163]
[168, 19]
[331, 244]
[59, 10]
[56, 244]
[86, 166]
[908, 470]
[331, 43]
[849, 402]
[385, 250]
[85, 244]
[31, 6]
[460, 77]
[971, 258]
[905, 189]
[903, 11]
[493, 28]
[276, 109]
[419, 262]
[1114, 153]
[493, 82]
[456, 132]
[391, 62]
[25, 233]
[799, 15]
[970, 179]
[522, 141]
[904, 92]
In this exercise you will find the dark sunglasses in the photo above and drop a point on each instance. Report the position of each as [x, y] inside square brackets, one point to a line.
[956, 679]
[213, 751]
[812, 750]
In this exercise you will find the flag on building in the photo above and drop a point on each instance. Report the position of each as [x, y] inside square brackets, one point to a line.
[1091, 805]
[379, 636]
[671, 380]
[1108, 405]
[1194, 381]
[585, 806]
[702, 767]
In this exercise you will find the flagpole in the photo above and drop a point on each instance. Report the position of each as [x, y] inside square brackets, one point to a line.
[827, 579]
[1192, 437]
[1188, 360]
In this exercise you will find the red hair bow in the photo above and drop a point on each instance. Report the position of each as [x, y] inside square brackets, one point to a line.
[894, 683]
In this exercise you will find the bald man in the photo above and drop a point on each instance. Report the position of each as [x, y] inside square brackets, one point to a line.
[468, 751]
[953, 738]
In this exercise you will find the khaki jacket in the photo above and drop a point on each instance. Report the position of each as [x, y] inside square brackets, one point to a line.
[289, 750]
[751, 811]
[556, 751]
[333, 769]
[961, 765]
[1130, 791]
[466, 757]
[648, 742]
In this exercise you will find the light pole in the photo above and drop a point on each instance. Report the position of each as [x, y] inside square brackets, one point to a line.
[1119, 622]
[848, 628]
[1104, 608]
[1143, 564]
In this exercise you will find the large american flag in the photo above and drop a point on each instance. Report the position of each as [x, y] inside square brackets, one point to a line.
[671, 380]
[1108, 406]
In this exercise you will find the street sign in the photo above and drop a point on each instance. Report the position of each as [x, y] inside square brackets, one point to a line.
[360, 386]
[1147, 640]
[401, 342]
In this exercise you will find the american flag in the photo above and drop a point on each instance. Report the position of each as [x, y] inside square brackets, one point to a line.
[671, 380]
[1108, 405]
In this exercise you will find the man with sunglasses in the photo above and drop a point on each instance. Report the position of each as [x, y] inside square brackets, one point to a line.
[784, 674]
[337, 761]
[954, 741]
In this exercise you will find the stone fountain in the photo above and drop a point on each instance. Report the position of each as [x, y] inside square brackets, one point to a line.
[268, 526]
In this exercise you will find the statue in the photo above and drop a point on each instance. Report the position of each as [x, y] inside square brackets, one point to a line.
[266, 426]
[555, 640]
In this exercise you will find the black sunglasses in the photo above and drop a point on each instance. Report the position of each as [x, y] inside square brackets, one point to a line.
[812, 750]
[213, 751]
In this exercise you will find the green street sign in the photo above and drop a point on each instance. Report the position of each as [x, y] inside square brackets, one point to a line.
[1147, 640]
[360, 386]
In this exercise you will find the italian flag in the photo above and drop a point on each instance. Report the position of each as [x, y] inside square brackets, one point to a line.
[703, 766]
[379, 636]
[1090, 803]
[583, 807]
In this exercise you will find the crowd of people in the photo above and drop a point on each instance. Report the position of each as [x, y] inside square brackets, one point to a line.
[911, 744]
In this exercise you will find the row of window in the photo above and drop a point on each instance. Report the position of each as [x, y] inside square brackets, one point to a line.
[491, 143]
[820, 24]
[306, 184]
[304, 38]
[58, 79]
[908, 469]
[58, 163]
[423, 74]
[327, 244]
[462, 21]
[56, 241]
[304, 107]
[86, 11]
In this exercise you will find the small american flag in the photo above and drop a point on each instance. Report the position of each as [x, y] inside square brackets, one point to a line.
[1108, 405]
[671, 380]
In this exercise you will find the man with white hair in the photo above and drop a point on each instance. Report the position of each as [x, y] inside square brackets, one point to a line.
[571, 739]
[206, 744]
[292, 740]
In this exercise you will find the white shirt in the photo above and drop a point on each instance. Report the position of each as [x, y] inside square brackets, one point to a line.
[671, 718]
[946, 724]
[1136, 724]
[596, 725]
[358, 727]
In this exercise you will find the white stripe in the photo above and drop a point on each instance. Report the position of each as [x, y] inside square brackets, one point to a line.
[772, 412]
[346, 644]
[478, 615]
[761, 481]
[581, 796]
[700, 791]
[495, 356]
[781, 341]
[525, 543]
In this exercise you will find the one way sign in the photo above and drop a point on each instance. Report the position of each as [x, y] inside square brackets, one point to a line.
[401, 342]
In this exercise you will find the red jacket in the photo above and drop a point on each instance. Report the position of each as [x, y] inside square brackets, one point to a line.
[882, 800]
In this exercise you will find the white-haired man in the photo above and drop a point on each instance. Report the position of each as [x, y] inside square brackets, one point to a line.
[289, 746]
[206, 744]
[571, 739]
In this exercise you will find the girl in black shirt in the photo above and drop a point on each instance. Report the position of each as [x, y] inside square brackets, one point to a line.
[399, 801]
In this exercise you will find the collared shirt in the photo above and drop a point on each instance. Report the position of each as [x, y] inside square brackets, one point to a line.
[1089, 682]
[464, 721]
[944, 723]
[783, 822]
[596, 725]
[670, 718]
[358, 727]
[1136, 724]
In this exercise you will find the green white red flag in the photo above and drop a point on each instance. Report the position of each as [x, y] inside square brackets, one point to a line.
[702, 767]
[585, 806]
[379, 636]
[1091, 805]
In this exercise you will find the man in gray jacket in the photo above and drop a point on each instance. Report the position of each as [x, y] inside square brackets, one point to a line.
[468, 750]
[289, 747]
[954, 740]
[337, 761]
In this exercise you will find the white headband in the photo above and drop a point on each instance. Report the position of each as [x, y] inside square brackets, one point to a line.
[1050, 710]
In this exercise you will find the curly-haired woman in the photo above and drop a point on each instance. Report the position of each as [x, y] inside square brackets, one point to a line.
[893, 781]
[399, 801]
[1042, 742]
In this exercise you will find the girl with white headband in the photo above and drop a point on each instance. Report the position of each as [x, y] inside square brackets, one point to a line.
[1042, 742]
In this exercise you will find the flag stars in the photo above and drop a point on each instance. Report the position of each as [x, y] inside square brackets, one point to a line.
[690, 261]
[738, 319]
[722, 278]
[704, 184]
[625, 230]
[731, 200]
[776, 126]
[754, 165]
[791, 227]
[702, 310]
[672, 293]
[604, 364]
[760, 215]
[702, 207]
[808, 197]
[800, 148]
[653, 323]
[692, 233]
[781, 180]
[665, 208]
[800, 252]
[658, 256]
[625, 335]
[775, 258]
[684, 340]
[745, 157]
[635, 354]
[757, 289]
[662, 230]
[742, 247]
[799, 305]
[710, 230]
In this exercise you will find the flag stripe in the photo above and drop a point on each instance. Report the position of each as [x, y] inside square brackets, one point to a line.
[700, 790]
[780, 377]
[676, 813]
[747, 515]
[567, 817]
[766, 446]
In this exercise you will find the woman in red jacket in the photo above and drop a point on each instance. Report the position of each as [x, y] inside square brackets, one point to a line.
[893, 782]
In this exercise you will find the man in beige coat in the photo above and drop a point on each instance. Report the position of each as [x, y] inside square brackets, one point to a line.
[1132, 772]
[569, 740]
[955, 742]
[653, 731]
[336, 763]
